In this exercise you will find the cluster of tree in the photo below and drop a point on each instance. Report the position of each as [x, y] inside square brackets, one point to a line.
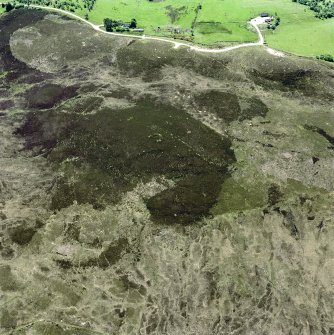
[119, 25]
[324, 9]
[327, 58]
[10, 6]
[274, 24]
[69, 5]
[89, 4]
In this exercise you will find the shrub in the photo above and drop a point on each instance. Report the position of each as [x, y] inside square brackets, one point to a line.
[327, 58]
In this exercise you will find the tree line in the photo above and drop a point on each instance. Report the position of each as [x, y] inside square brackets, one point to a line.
[327, 58]
[10, 6]
[69, 5]
[324, 9]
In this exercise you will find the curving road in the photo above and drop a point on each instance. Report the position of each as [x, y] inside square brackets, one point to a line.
[254, 22]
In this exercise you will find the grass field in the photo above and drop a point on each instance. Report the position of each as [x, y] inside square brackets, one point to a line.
[304, 35]
[220, 21]
[297, 22]
[226, 21]
[149, 15]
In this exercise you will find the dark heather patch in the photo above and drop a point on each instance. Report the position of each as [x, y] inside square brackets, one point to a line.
[138, 60]
[90, 185]
[321, 132]
[48, 95]
[89, 88]
[114, 149]
[38, 136]
[188, 202]
[274, 195]
[113, 253]
[54, 328]
[315, 160]
[7, 280]
[130, 285]
[21, 235]
[6, 104]
[289, 78]
[290, 222]
[22, 231]
[304, 81]
[34, 78]
[225, 105]
[3, 92]
[256, 107]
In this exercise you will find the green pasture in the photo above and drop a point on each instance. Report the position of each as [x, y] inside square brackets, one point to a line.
[300, 31]
[304, 35]
[220, 21]
[149, 15]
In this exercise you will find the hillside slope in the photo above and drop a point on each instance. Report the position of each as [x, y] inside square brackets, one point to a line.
[152, 190]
